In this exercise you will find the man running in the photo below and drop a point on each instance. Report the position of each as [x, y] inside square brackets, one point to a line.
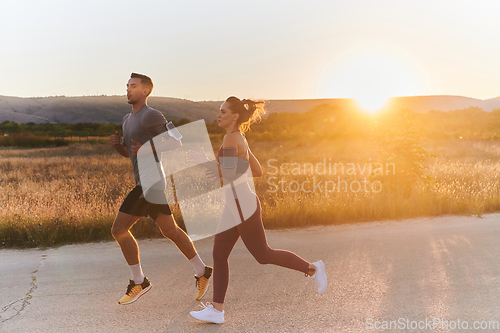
[139, 127]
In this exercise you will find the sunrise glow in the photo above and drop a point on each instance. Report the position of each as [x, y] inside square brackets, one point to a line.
[372, 75]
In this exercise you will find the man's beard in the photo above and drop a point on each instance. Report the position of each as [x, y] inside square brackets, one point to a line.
[132, 101]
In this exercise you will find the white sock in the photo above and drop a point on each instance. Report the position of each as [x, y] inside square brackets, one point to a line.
[198, 265]
[136, 272]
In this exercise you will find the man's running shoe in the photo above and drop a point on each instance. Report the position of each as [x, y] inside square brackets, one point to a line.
[203, 282]
[209, 314]
[319, 277]
[135, 291]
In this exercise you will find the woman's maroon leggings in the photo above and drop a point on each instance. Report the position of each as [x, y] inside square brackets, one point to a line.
[253, 236]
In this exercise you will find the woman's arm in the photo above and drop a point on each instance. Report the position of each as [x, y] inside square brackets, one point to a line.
[202, 159]
[230, 150]
[255, 165]
[234, 141]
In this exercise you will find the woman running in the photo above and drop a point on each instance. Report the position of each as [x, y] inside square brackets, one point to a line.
[241, 216]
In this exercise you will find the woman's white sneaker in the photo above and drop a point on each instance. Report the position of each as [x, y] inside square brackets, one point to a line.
[319, 276]
[209, 314]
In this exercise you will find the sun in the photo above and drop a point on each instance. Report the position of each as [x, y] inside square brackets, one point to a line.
[371, 76]
[372, 103]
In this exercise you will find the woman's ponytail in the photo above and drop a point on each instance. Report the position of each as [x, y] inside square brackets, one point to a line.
[250, 111]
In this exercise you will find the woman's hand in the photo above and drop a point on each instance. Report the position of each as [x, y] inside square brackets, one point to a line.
[197, 158]
[211, 175]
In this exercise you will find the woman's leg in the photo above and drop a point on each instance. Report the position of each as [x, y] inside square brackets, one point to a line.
[223, 245]
[253, 235]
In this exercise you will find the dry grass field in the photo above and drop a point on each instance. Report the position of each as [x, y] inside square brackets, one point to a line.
[53, 196]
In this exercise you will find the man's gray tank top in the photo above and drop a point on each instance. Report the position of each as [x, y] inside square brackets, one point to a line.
[141, 126]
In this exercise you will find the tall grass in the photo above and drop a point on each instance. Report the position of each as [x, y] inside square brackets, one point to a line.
[59, 195]
[71, 194]
[462, 178]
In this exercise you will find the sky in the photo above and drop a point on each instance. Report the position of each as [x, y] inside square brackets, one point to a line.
[209, 50]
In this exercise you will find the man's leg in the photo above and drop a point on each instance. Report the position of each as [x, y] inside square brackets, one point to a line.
[121, 232]
[172, 231]
[139, 284]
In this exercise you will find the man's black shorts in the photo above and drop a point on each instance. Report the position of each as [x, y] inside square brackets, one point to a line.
[135, 204]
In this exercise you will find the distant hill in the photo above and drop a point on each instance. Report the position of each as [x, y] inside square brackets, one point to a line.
[420, 104]
[296, 105]
[443, 103]
[111, 109]
[95, 109]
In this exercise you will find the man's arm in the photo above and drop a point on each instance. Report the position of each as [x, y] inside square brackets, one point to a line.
[168, 144]
[157, 124]
[114, 140]
[163, 146]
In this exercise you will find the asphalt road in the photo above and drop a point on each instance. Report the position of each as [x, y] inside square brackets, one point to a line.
[408, 275]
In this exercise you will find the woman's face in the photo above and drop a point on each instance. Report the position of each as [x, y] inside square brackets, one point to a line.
[226, 117]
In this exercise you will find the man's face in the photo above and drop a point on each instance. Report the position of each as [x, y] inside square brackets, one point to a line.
[136, 92]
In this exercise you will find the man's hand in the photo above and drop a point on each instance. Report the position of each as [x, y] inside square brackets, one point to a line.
[135, 147]
[114, 139]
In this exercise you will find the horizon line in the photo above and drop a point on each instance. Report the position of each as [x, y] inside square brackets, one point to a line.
[266, 99]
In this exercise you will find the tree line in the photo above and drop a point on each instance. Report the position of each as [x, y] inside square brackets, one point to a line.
[14, 134]
[323, 122]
